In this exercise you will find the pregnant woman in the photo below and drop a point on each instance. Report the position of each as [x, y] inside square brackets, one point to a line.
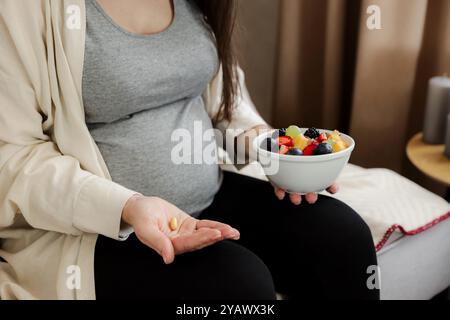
[91, 92]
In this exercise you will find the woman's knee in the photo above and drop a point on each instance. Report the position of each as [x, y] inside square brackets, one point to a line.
[349, 241]
[330, 217]
[240, 274]
[346, 221]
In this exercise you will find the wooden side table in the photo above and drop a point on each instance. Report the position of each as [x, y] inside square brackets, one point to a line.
[430, 160]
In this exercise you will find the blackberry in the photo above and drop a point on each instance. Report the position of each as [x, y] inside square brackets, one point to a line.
[282, 132]
[312, 133]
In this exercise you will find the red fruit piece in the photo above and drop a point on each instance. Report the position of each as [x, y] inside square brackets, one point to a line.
[322, 138]
[309, 150]
[284, 149]
[285, 141]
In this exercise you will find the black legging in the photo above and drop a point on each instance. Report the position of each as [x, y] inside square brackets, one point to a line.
[307, 251]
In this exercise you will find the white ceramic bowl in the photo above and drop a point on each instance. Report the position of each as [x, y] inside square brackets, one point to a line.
[302, 174]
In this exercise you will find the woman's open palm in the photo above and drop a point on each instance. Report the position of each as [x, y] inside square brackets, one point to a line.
[150, 218]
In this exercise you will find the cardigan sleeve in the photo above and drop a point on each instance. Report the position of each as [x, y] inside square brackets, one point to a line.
[50, 190]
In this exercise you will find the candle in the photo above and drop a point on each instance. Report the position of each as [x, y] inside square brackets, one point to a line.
[447, 139]
[437, 108]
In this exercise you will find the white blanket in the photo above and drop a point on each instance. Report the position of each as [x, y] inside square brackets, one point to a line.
[388, 202]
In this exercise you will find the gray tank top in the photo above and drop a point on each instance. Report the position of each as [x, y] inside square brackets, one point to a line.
[138, 89]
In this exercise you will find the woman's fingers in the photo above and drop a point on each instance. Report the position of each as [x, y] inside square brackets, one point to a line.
[158, 241]
[280, 193]
[333, 188]
[226, 230]
[188, 225]
[197, 240]
[311, 198]
[295, 198]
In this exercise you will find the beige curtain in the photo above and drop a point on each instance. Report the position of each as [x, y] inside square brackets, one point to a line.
[332, 71]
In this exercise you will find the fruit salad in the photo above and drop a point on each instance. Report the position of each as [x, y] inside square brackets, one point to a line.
[297, 142]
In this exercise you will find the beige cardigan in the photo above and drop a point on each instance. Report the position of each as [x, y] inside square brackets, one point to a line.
[56, 194]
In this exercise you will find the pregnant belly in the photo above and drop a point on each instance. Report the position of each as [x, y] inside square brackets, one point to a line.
[138, 152]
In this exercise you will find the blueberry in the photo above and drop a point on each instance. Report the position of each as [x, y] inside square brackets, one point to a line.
[295, 152]
[270, 145]
[312, 133]
[323, 148]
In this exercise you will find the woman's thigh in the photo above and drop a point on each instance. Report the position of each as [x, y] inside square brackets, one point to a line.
[130, 270]
[324, 246]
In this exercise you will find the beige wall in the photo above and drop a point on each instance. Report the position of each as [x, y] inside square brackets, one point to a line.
[257, 42]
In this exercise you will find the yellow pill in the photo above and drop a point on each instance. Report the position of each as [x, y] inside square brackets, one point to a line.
[173, 224]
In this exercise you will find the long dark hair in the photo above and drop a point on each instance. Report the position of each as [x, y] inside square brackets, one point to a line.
[221, 16]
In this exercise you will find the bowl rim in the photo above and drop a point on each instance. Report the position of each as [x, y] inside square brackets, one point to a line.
[326, 157]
